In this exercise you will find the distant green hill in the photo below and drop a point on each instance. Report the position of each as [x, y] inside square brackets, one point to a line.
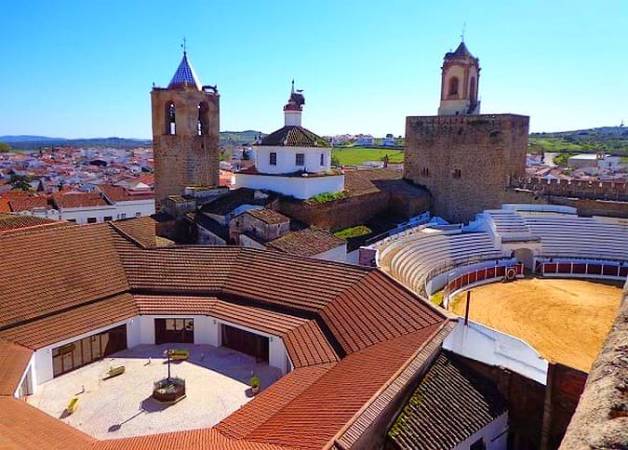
[612, 140]
[25, 142]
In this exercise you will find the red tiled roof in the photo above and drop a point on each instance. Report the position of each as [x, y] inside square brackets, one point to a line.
[11, 222]
[344, 389]
[28, 203]
[141, 230]
[13, 362]
[305, 342]
[348, 330]
[306, 242]
[24, 427]
[78, 199]
[119, 194]
[52, 269]
[268, 216]
[76, 321]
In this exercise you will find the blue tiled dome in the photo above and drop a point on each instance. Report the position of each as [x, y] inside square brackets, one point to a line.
[184, 76]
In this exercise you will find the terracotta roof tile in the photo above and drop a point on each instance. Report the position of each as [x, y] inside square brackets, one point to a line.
[268, 216]
[208, 438]
[120, 194]
[294, 136]
[13, 362]
[28, 203]
[52, 269]
[24, 427]
[10, 222]
[306, 242]
[76, 321]
[270, 401]
[141, 230]
[344, 389]
[78, 199]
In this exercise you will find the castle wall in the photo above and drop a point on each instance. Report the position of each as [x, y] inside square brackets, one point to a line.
[466, 162]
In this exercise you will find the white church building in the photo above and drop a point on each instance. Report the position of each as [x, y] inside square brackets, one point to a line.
[292, 161]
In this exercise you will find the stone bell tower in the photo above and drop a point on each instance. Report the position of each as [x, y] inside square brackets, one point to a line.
[460, 78]
[186, 124]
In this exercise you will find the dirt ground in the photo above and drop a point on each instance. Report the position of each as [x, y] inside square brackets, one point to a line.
[566, 321]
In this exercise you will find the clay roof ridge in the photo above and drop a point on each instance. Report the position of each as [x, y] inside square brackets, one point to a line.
[61, 311]
[127, 236]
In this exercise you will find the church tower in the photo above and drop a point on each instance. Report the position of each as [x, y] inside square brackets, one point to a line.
[186, 128]
[459, 83]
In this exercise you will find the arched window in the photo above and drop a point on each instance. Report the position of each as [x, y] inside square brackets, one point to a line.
[202, 125]
[472, 89]
[171, 124]
[453, 87]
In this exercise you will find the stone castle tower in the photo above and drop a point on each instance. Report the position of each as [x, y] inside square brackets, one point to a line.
[466, 160]
[459, 83]
[186, 126]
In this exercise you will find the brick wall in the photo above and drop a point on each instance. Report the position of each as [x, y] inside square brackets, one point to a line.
[466, 162]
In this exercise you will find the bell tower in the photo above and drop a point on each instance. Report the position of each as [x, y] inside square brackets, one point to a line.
[459, 83]
[186, 124]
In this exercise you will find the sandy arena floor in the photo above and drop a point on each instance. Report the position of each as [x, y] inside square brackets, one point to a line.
[564, 320]
[216, 384]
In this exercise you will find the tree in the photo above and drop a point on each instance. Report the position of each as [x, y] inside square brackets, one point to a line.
[5, 148]
[20, 182]
[335, 162]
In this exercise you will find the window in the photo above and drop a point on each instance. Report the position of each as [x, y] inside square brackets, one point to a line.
[300, 159]
[478, 445]
[273, 159]
[123, 216]
[107, 218]
[202, 123]
[425, 172]
[171, 125]
[456, 173]
[138, 214]
[72, 220]
[322, 159]
[91, 220]
[453, 87]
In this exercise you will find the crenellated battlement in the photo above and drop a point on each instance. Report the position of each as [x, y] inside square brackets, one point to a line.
[594, 190]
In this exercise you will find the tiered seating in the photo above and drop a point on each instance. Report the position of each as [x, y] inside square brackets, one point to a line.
[509, 225]
[570, 236]
[416, 258]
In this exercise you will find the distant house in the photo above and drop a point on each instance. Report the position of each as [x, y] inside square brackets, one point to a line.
[389, 141]
[365, 140]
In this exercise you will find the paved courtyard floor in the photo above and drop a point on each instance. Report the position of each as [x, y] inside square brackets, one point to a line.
[216, 384]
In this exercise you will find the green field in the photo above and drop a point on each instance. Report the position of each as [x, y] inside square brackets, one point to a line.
[353, 156]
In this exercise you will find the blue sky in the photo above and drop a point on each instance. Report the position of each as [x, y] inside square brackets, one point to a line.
[85, 68]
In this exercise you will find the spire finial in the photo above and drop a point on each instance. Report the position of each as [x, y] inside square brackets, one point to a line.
[184, 45]
[292, 91]
[464, 26]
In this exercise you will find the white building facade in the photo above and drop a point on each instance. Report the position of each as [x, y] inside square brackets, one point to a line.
[292, 161]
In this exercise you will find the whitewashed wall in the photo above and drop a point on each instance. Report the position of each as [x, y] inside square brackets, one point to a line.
[298, 187]
[495, 435]
[338, 254]
[494, 348]
[286, 159]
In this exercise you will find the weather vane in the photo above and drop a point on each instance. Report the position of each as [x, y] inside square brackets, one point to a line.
[184, 45]
[464, 26]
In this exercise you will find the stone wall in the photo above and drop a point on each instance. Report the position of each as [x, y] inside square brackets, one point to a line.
[602, 190]
[466, 162]
[184, 158]
[356, 210]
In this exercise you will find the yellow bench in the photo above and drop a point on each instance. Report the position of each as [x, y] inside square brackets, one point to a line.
[114, 372]
[72, 405]
[179, 354]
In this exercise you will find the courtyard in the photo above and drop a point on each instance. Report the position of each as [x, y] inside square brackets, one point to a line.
[217, 384]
